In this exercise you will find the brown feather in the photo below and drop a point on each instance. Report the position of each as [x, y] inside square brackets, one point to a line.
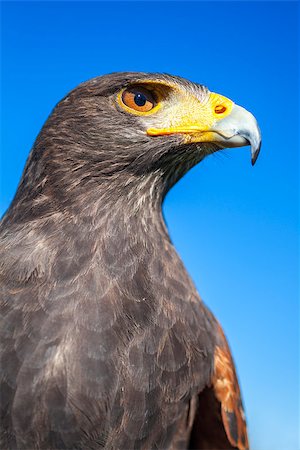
[227, 391]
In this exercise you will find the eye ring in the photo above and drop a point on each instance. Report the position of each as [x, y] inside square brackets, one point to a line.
[138, 99]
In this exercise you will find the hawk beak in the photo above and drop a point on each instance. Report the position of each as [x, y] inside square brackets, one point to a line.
[237, 129]
[218, 120]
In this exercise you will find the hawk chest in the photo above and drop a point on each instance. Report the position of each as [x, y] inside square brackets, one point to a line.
[148, 326]
[167, 360]
[142, 347]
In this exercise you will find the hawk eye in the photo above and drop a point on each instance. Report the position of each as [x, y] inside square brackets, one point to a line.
[139, 99]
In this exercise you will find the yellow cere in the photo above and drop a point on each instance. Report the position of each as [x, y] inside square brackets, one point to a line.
[189, 116]
[221, 105]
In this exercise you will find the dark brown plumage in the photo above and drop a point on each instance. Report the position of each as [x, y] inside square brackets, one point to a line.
[106, 343]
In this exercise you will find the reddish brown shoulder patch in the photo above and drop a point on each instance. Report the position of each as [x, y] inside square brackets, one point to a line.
[227, 391]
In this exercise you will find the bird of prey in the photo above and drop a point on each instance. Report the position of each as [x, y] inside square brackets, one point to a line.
[105, 340]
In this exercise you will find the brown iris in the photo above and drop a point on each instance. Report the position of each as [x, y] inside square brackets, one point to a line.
[139, 99]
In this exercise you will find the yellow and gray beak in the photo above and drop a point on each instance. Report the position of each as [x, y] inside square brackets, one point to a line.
[238, 129]
[217, 120]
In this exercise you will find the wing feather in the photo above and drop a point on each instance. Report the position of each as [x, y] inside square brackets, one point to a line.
[219, 421]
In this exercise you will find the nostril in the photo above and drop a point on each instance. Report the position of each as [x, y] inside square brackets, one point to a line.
[220, 109]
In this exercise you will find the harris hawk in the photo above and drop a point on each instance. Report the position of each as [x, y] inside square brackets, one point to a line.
[105, 340]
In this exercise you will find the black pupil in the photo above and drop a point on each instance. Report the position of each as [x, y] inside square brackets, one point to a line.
[140, 99]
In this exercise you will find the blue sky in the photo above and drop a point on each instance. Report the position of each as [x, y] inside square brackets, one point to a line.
[235, 226]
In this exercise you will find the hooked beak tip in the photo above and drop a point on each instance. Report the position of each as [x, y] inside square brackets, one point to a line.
[254, 153]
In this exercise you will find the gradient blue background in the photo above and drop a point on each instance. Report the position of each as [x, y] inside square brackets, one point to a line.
[235, 226]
